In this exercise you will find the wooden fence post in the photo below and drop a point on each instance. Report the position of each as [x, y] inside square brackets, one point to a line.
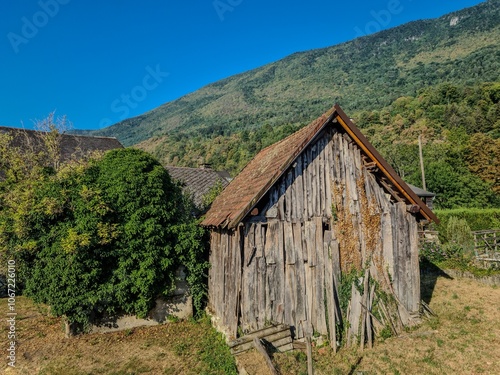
[310, 370]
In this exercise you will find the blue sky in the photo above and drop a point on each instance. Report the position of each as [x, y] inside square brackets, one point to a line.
[100, 62]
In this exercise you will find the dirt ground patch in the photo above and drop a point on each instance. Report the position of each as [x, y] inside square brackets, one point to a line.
[464, 338]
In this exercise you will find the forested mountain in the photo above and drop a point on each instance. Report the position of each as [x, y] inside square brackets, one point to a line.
[439, 78]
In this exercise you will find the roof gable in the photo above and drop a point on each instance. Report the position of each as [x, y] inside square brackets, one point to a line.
[244, 192]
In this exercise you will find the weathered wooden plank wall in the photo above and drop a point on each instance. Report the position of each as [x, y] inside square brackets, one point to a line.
[326, 214]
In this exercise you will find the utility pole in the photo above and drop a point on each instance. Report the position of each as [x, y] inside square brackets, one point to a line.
[421, 161]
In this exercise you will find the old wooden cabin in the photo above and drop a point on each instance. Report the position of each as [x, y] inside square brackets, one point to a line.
[304, 212]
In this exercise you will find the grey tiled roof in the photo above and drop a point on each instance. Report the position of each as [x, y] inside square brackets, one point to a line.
[198, 181]
[421, 192]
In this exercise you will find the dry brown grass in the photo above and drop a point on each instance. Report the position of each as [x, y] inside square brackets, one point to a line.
[177, 348]
[464, 338]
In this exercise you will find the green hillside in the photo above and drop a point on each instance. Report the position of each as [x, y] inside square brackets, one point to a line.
[439, 78]
[366, 73]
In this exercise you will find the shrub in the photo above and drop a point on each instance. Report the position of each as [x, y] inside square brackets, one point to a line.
[107, 237]
[457, 232]
[433, 252]
[477, 219]
[449, 255]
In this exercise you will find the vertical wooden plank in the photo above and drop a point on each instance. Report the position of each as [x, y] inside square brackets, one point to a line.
[321, 177]
[289, 251]
[300, 272]
[399, 260]
[309, 298]
[280, 276]
[225, 307]
[238, 255]
[228, 284]
[310, 273]
[271, 241]
[320, 279]
[281, 199]
[224, 271]
[354, 316]
[336, 273]
[335, 254]
[336, 158]
[415, 266]
[340, 160]
[305, 243]
[270, 251]
[305, 184]
[405, 254]
[329, 289]
[288, 195]
[299, 189]
[328, 179]
[310, 238]
[290, 295]
[263, 312]
[364, 312]
[293, 202]
[387, 239]
[308, 175]
[310, 369]
[248, 285]
[260, 239]
[270, 291]
[315, 181]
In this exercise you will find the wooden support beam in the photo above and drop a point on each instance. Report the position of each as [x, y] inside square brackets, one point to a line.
[390, 190]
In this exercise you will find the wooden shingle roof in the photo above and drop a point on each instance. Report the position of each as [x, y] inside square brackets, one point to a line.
[260, 174]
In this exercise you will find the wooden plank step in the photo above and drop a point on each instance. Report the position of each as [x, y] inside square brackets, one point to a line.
[269, 338]
[261, 333]
[278, 336]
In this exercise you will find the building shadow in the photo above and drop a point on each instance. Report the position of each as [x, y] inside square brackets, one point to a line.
[429, 274]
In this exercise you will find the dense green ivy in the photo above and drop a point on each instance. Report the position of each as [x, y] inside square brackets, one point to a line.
[104, 237]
